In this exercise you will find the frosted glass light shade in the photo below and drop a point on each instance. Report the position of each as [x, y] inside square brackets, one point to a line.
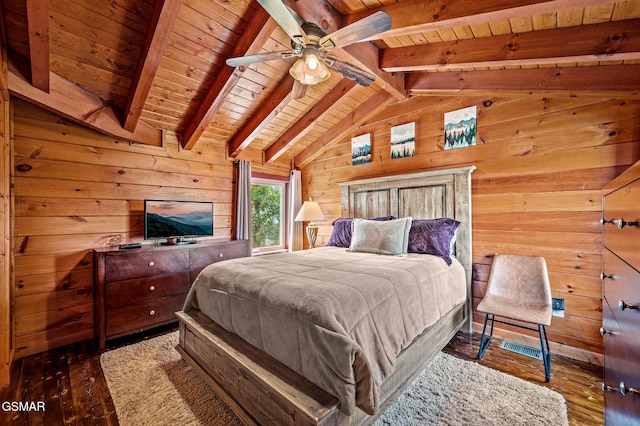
[309, 70]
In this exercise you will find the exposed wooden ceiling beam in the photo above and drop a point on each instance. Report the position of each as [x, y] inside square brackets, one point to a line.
[611, 80]
[3, 29]
[261, 119]
[618, 40]
[367, 56]
[71, 101]
[415, 16]
[160, 27]
[297, 130]
[344, 127]
[4, 84]
[251, 41]
[38, 23]
[321, 13]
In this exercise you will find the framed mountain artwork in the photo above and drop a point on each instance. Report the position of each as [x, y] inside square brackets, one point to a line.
[460, 128]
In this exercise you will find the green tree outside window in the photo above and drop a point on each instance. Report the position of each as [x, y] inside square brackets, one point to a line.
[266, 202]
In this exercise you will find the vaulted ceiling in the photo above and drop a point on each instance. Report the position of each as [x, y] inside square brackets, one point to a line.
[134, 68]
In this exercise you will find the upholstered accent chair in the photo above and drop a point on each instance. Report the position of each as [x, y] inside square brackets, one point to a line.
[518, 291]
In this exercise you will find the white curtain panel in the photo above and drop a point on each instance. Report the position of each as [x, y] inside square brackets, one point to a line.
[295, 203]
[243, 201]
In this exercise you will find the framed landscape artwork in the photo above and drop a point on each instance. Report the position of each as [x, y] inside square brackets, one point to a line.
[460, 128]
[403, 140]
[361, 149]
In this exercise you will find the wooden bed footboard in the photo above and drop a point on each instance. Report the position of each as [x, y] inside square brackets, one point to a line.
[261, 390]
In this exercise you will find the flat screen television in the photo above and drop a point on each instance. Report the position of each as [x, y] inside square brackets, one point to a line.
[176, 219]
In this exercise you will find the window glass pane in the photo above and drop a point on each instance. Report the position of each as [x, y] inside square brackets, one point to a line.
[267, 215]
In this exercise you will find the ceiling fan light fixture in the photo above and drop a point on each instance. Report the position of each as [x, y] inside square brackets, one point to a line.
[310, 44]
[310, 69]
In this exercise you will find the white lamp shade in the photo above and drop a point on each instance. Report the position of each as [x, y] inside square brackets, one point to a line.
[309, 212]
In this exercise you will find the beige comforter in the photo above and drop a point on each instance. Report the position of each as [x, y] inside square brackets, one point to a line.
[338, 318]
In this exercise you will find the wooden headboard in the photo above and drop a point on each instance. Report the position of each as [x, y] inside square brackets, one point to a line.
[424, 195]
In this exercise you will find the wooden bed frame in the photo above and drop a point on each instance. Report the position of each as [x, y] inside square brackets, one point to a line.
[261, 390]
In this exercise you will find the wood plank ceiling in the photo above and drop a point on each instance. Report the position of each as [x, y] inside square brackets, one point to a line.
[133, 68]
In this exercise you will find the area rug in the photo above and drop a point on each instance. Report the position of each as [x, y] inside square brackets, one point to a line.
[151, 385]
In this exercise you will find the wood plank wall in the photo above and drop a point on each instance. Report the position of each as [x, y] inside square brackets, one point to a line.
[541, 163]
[74, 190]
[6, 294]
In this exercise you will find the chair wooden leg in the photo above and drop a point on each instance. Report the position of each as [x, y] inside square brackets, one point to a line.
[546, 351]
[484, 345]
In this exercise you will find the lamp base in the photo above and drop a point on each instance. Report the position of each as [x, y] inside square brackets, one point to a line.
[312, 234]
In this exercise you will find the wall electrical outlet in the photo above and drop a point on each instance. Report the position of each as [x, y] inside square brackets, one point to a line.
[557, 305]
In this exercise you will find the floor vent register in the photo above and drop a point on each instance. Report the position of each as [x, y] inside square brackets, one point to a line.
[521, 349]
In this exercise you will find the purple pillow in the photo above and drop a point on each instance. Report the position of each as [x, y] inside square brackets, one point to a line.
[341, 235]
[432, 236]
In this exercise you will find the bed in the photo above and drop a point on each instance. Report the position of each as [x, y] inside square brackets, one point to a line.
[233, 327]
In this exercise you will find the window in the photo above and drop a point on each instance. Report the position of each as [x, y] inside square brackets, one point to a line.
[268, 214]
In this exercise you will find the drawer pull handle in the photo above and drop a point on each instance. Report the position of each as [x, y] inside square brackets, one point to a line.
[606, 388]
[603, 276]
[624, 390]
[622, 305]
[152, 263]
[622, 223]
[604, 331]
[152, 288]
[152, 313]
[220, 254]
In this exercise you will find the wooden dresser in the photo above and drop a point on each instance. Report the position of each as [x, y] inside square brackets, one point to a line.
[137, 289]
[621, 298]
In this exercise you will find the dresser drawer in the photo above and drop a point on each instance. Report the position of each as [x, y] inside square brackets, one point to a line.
[624, 286]
[201, 257]
[622, 205]
[144, 264]
[621, 349]
[140, 316]
[138, 290]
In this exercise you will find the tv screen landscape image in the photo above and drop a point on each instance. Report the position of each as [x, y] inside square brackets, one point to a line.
[167, 219]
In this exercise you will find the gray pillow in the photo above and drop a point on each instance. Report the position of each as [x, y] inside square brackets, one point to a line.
[341, 235]
[388, 237]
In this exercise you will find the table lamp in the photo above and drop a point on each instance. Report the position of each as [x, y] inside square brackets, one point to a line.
[309, 212]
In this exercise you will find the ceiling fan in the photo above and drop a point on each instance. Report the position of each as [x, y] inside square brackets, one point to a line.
[310, 44]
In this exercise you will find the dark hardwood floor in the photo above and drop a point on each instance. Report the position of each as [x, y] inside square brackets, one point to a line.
[70, 382]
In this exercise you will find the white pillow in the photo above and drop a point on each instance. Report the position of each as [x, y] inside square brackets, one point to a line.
[382, 237]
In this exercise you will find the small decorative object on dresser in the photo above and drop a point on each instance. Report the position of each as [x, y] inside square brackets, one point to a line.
[138, 289]
[621, 297]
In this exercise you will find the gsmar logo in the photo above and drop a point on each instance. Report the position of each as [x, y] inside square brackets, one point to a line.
[23, 406]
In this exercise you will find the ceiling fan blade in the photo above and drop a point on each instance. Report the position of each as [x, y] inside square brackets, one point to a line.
[360, 30]
[350, 71]
[280, 13]
[252, 59]
[299, 90]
